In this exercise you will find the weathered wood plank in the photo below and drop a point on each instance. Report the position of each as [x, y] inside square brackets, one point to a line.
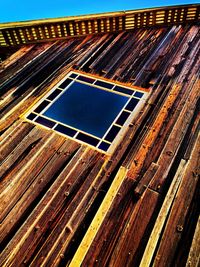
[90, 52]
[13, 138]
[28, 73]
[176, 221]
[11, 128]
[71, 216]
[34, 136]
[126, 45]
[165, 209]
[107, 237]
[97, 62]
[15, 57]
[57, 200]
[24, 62]
[14, 183]
[98, 219]
[177, 134]
[55, 153]
[145, 180]
[127, 251]
[194, 255]
[138, 160]
[194, 131]
[72, 219]
[159, 121]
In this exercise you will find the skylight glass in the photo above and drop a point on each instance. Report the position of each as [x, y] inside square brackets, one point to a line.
[88, 109]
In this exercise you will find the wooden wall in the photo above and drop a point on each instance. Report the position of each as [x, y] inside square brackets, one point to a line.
[64, 203]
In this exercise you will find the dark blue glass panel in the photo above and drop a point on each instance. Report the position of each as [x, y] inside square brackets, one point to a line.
[122, 118]
[45, 122]
[104, 84]
[65, 84]
[54, 94]
[87, 108]
[85, 79]
[132, 104]
[31, 116]
[104, 146]
[73, 75]
[123, 90]
[112, 133]
[43, 105]
[138, 94]
[65, 130]
[88, 139]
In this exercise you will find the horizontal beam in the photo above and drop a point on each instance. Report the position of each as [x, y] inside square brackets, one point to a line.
[19, 33]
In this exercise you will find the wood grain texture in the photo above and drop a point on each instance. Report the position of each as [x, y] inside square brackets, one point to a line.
[52, 188]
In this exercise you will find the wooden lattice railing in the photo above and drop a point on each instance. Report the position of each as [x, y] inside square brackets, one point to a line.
[53, 29]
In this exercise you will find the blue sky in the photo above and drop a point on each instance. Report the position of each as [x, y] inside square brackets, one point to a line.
[19, 10]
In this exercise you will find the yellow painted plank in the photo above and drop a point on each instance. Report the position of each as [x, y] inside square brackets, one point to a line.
[99, 218]
[194, 255]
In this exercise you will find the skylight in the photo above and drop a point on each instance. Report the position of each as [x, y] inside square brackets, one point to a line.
[87, 109]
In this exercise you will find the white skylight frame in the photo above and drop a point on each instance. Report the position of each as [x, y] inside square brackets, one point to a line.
[36, 117]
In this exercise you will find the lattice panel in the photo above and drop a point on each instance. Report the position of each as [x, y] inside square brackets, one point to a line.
[31, 32]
